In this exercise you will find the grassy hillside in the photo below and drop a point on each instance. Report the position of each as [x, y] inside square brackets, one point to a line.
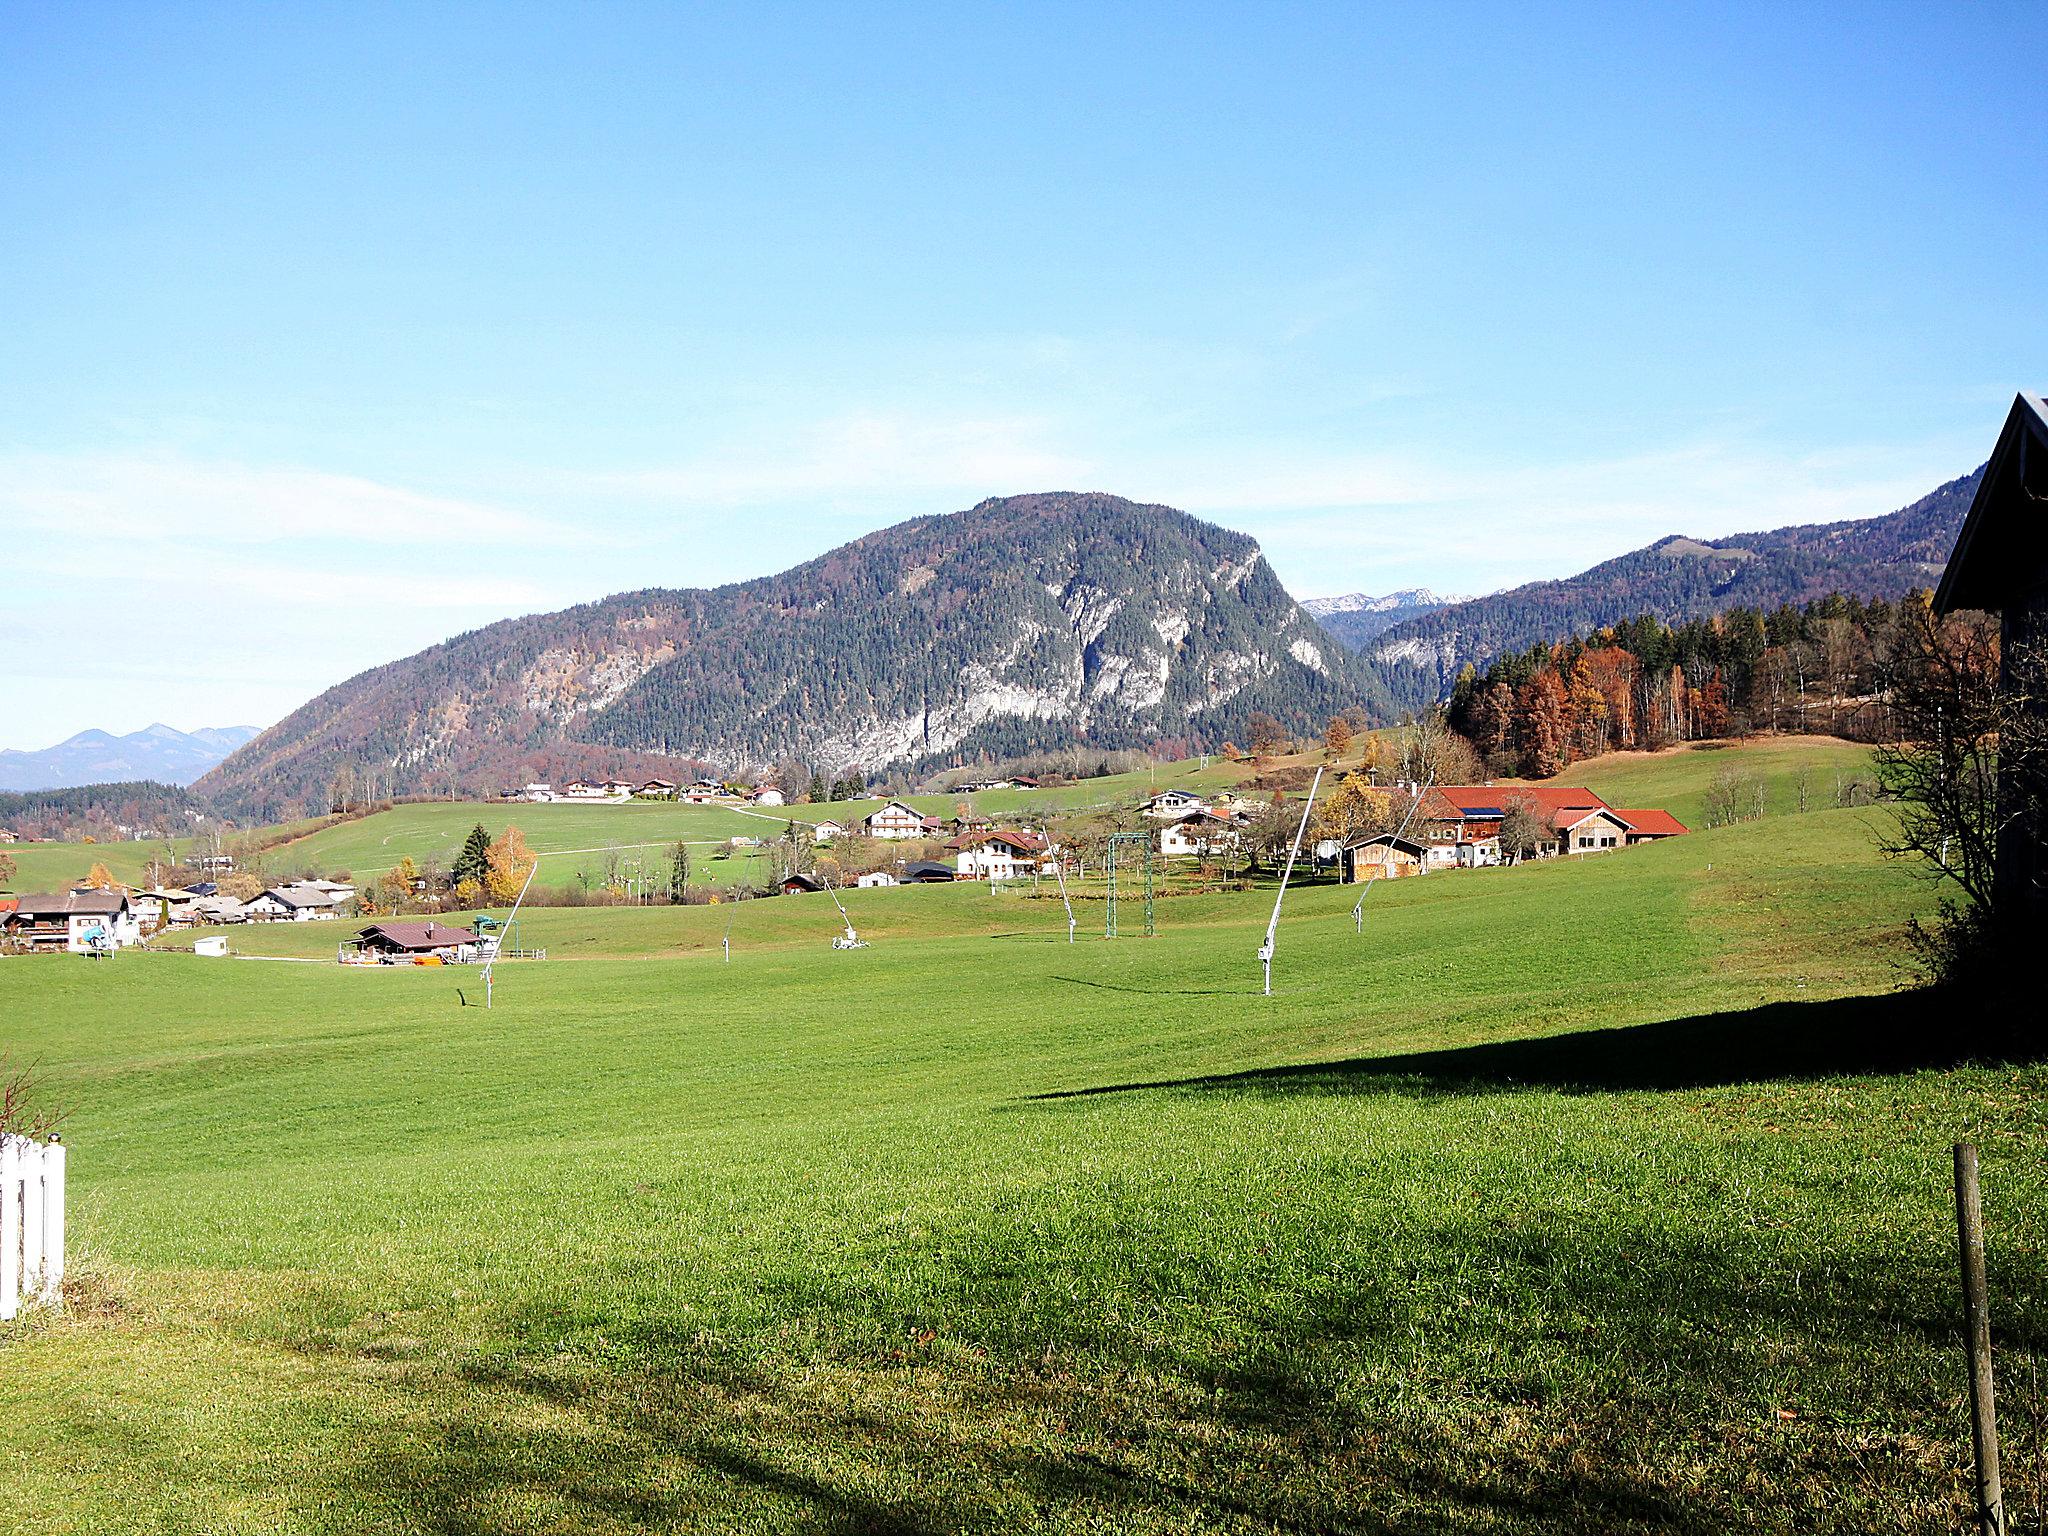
[53, 866]
[1678, 780]
[977, 1230]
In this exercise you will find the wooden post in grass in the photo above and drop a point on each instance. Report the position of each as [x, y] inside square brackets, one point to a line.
[1977, 1344]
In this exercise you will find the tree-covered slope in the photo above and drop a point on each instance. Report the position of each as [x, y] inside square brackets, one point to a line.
[1679, 578]
[1025, 623]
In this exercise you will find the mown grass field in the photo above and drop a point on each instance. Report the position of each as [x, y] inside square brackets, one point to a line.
[1602, 1196]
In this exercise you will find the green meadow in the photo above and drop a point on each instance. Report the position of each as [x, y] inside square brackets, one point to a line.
[1575, 1197]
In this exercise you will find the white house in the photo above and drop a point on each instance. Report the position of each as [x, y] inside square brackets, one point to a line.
[768, 794]
[79, 921]
[1196, 834]
[290, 903]
[163, 907]
[827, 831]
[1170, 804]
[997, 855]
[658, 789]
[538, 792]
[897, 820]
[874, 878]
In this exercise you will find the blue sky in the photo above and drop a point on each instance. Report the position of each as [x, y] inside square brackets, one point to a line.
[330, 332]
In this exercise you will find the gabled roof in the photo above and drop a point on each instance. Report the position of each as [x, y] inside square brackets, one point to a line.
[2003, 548]
[1652, 823]
[423, 935]
[295, 896]
[1565, 817]
[927, 869]
[1491, 800]
[86, 903]
[802, 881]
[1390, 840]
[1023, 842]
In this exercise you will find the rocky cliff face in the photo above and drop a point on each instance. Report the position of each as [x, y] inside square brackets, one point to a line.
[1023, 624]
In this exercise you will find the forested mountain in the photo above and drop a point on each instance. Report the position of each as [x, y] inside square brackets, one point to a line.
[1025, 623]
[158, 752]
[103, 811]
[1678, 579]
[1357, 617]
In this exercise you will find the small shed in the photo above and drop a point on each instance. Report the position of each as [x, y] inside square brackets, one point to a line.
[799, 884]
[1386, 856]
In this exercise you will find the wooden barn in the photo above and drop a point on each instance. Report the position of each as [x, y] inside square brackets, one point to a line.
[2000, 565]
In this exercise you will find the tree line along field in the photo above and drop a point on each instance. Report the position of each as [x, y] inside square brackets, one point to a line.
[1592, 1196]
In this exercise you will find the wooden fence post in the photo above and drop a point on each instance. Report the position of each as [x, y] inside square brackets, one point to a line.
[10, 1227]
[1977, 1344]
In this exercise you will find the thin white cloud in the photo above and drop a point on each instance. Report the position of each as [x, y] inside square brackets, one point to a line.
[155, 498]
[875, 453]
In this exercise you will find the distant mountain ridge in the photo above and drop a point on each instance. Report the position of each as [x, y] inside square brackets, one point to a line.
[157, 752]
[1677, 579]
[1024, 624]
[1357, 617]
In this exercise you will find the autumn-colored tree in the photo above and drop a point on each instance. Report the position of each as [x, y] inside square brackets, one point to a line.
[1587, 734]
[1337, 737]
[467, 891]
[511, 861]
[1542, 724]
[6, 869]
[1355, 808]
[1268, 735]
[1710, 708]
[1230, 749]
[396, 883]
[100, 878]
[1494, 721]
[241, 886]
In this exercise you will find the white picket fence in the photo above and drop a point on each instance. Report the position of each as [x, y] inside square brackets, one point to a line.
[31, 1223]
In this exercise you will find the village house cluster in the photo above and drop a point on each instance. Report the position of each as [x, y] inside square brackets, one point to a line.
[620, 791]
[100, 919]
[1460, 827]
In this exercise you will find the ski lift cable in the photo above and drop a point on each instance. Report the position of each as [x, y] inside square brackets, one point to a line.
[1293, 851]
[1358, 908]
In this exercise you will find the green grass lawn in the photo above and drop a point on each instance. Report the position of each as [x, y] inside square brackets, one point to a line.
[1595, 1196]
[1678, 780]
[53, 866]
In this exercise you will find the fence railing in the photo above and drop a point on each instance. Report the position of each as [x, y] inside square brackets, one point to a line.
[31, 1223]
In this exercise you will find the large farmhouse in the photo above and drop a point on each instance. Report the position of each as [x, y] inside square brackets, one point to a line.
[1458, 826]
[290, 903]
[82, 922]
[897, 820]
[997, 854]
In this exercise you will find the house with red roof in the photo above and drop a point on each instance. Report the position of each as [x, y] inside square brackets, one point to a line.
[997, 853]
[1461, 823]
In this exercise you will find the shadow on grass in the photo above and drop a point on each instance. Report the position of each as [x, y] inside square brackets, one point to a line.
[1850, 1036]
[1117, 986]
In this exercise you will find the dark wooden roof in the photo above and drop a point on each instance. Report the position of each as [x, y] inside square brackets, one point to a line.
[79, 903]
[2002, 552]
[425, 935]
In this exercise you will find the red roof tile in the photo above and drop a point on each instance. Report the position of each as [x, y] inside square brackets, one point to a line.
[1652, 823]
